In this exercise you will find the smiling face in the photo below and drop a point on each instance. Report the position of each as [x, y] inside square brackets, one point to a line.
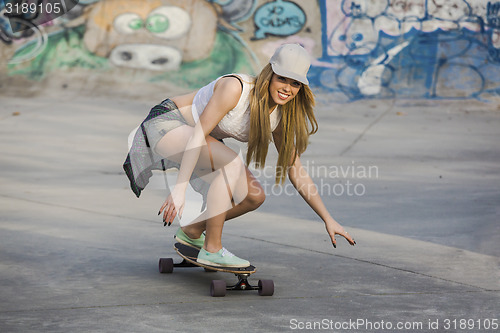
[282, 90]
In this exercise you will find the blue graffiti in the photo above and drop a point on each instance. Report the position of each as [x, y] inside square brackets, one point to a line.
[7, 34]
[381, 51]
[235, 10]
[355, 9]
[493, 14]
[362, 8]
[278, 18]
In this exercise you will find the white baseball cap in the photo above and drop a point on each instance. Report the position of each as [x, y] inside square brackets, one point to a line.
[292, 61]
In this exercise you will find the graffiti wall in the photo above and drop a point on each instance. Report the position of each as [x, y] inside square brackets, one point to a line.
[410, 49]
[447, 49]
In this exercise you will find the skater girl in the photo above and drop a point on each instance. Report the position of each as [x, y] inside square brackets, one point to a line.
[186, 132]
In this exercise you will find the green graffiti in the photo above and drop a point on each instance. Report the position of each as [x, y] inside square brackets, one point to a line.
[157, 23]
[64, 50]
[135, 24]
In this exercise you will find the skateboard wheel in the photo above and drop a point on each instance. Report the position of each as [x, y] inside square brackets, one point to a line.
[218, 288]
[266, 287]
[166, 265]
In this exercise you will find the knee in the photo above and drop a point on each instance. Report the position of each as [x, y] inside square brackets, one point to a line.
[255, 197]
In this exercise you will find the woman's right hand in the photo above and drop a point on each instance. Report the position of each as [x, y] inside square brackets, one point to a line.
[334, 228]
[173, 205]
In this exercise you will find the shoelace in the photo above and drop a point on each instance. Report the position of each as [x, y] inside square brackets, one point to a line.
[225, 253]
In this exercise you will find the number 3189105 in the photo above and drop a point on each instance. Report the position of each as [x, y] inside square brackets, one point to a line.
[33, 8]
[471, 324]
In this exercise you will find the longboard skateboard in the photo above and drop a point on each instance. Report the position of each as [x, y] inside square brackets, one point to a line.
[218, 287]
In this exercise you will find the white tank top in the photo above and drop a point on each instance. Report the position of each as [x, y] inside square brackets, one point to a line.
[236, 123]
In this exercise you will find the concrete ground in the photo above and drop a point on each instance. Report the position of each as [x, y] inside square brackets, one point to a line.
[415, 182]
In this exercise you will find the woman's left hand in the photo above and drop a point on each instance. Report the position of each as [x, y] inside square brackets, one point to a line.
[173, 205]
[334, 228]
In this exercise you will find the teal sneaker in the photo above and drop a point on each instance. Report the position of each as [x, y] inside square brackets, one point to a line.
[182, 238]
[223, 258]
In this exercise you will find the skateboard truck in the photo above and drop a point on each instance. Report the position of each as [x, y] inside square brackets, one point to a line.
[218, 288]
[242, 283]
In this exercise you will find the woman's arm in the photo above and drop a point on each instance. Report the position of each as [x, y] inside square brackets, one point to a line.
[226, 95]
[305, 186]
[307, 189]
[227, 92]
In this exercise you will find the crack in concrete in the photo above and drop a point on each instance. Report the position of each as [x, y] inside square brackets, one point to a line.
[368, 262]
[373, 123]
[77, 208]
[257, 239]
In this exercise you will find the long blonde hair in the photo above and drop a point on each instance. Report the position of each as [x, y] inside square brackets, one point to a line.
[297, 123]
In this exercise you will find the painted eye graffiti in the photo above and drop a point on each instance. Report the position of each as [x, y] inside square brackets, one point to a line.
[128, 23]
[357, 37]
[135, 24]
[169, 22]
[157, 23]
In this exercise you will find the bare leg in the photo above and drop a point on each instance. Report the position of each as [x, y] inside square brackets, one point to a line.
[215, 223]
[252, 201]
[241, 182]
[231, 182]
